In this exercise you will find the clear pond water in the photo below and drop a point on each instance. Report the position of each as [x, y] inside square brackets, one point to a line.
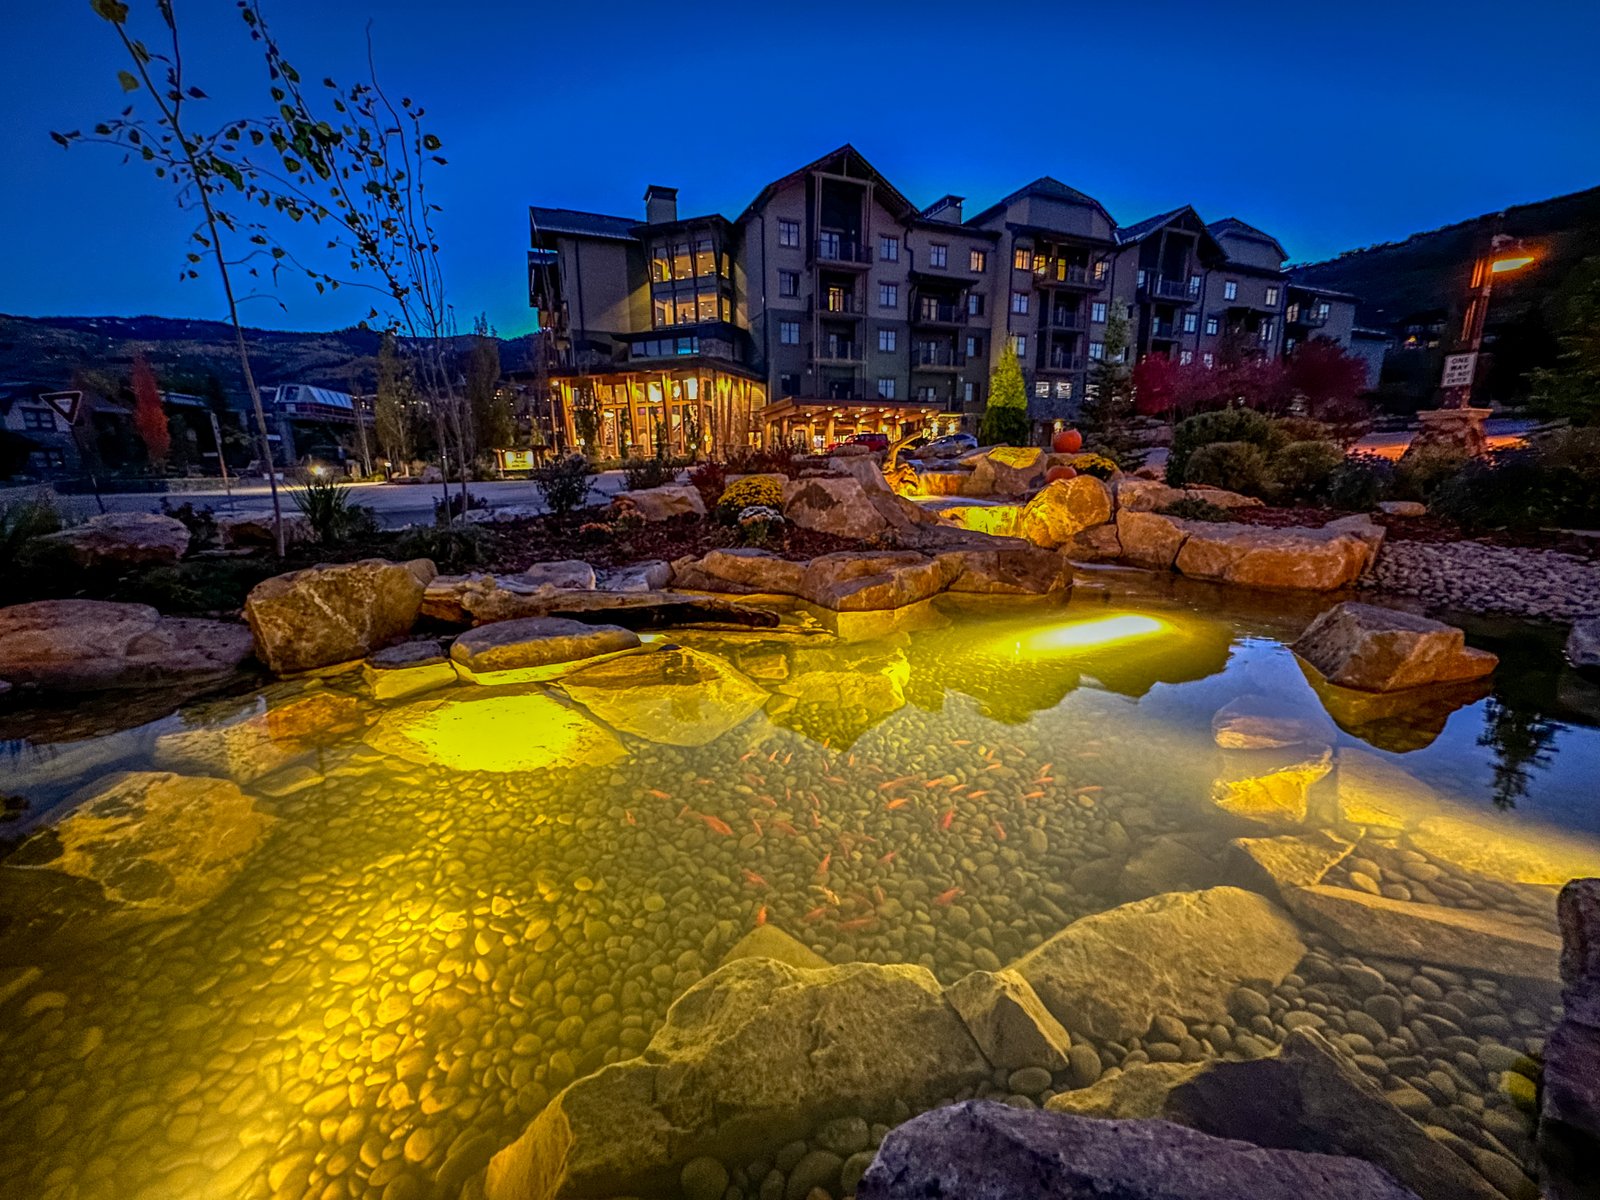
[373, 966]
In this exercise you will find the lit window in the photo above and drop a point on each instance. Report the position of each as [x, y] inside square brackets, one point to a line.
[888, 295]
[789, 333]
[1211, 326]
[1100, 270]
[1323, 310]
[682, 262]
[1022, 260]
[689, 345]
[886, 340]
[1191, 321]
[1042, 389]
[1208, 358]
[1097, 350]
[1185, 357]
[1019, 344]
[788, 233]
[938, 254]
[1267, 330]
[1230, 290]
[1272, 297]
[660, 264]
[1194, 285]
[1097, 312]
[1019, 302]
[788, 283]
[1063, 389]
[886, 388]
[705, 259]
[978, 261]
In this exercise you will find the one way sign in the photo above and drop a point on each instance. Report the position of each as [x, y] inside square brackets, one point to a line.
[66, 404]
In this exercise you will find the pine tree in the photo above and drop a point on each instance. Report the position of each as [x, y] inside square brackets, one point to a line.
[1107, 406]
[149, 418]
[1005, 418]
[392, 406]
[491, 414]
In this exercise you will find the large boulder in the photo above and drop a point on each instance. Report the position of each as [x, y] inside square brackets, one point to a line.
[1100, 543]
[1460, 938]
[156, 843]
[121, 540]
[987, 1151]
[253, 531]
[547, 645]
[1009, 1022]
[331, 614]
[1005, 471]
[667, 501]
[1376, 649]
[1583, 645]
[871, 581]
[674, 696]
[1010, 569]
[1309, 1097]
[1317, 560]
[1063, 509]
[271, 734]
[742, 572]
[1276, 793]
[748, 1057]
[842, 505]
[89, 645]
[1134, 494]
[495, 729]
[1150, 540]
[1569, 1125]
[478, 599]
[1110, 974]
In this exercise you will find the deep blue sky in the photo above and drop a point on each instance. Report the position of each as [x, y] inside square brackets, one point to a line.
[1331, 125]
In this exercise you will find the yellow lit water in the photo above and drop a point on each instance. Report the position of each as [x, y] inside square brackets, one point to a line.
[395, 975]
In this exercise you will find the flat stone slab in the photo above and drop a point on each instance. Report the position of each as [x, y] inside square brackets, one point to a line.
[536, 642]
[495, 729]
[408, 669]
[122, 540]
[674, 696]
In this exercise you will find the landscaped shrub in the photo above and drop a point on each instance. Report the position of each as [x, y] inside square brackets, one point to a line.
[753, 491]
[1202, 429]
[759, 524]
[769, 460]
[1235, 466]
[1518, 489]
[1286, 430]
[1419, 474]
[564, 484]
[329, 510]
[453, 548]
[1300, 470]
[200, 522]
[451, 509]
[709, 479]
[1101, 466]
[22, 521]
[1190, 509]
[650, 472]
[1359, 482]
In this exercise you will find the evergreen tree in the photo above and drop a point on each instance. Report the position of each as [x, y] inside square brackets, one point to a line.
[1005, 418]
[1107, 406]
[1572, 388]
[392, 406]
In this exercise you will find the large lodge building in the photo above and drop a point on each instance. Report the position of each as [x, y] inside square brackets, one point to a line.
[833, 305]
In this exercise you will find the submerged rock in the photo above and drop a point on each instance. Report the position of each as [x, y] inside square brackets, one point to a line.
[768, 941]
[494, 729]
[87, 645]
[1139, 1091]
[330, 614]
[1569, 1128]
[1258, 722]
[674, 696]
[408, 669]
[747, 1059]
[980, 1149]
[1110, 974]
[260, 742]
[1277, 796]
[1009, 1022]
[539, 644]
[1276, 864]
[1376, 649]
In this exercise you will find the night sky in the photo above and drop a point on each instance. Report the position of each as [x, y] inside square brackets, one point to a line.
[1331, 125]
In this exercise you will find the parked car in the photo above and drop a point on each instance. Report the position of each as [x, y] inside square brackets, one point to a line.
[951, 445]
[872, 441]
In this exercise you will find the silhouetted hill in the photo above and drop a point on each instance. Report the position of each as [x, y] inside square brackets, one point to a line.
[50, 351]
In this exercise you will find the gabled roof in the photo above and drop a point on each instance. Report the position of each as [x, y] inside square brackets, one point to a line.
[1139, 230]
[1233, 227]
[584, 224]
[1050, 187]
[845, 155]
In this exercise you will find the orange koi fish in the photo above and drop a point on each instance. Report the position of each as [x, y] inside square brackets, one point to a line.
[756, 825]
[768, 801]
[899, 802]
[858, 924]
[658, 793]
[949, 815]
[999, 831]
[747, 756]
[885, 786]
[1033, 795]
[1087, 791]
[788, 758]
[815, 914]
[1045, 770]
[785, 828]
[822, 867]
[888, 858]
[944, 898]
[761, 915]
[836, 779]
[627, 815]
[962, 742]
[716, 824]
[753, 879]
[977, 795]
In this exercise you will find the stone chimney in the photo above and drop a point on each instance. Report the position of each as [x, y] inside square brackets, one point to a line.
[660, 204]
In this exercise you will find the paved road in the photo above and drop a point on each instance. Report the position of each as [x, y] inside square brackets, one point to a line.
[396, 504]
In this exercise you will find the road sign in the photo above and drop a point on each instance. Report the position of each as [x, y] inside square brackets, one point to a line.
[65, 404]
[1459, 370]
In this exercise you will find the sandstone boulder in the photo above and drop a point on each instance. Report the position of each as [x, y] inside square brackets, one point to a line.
[88, 645]
[156, 843]
[1008, 1021]
[997, 518]
[121, 540]
[537, 644]
[989, 1151]
[1277, 795]
[269, 736]
[1098, 544]
[1259, 722]
[667, 501]
[742, 572]
[1010, 570]
[1063, 509]
[1109, 974]
[674, 696]
[1377, 649]
[747, 1058]
[1308, 1097]
[1149, 539]
[1005, 471]
[844, 506]
[867, 581]
[1403, 508]
[1298, 559]
[1136, 494]
[1569, 1125]
[408, 669]
[768, 941]
[494, 729]
[331, 614]
[1459, 938]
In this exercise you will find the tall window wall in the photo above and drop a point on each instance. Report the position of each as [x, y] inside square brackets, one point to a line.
[690, 279]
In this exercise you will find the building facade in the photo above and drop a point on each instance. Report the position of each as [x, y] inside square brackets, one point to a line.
[832, 306]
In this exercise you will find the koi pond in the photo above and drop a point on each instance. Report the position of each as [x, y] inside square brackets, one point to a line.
[306, 942]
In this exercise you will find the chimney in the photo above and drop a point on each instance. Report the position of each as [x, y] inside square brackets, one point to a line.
[660, 204]
[946, 208]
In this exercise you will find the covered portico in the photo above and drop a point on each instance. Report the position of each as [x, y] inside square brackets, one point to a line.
[821, 422]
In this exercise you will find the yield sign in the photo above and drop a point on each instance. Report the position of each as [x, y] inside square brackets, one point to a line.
[65, 403]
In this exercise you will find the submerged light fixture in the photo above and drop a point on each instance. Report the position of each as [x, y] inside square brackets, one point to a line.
[1089, 635]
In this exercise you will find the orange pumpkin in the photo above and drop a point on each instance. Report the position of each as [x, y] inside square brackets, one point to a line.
[1055, 473]
[1068, 441]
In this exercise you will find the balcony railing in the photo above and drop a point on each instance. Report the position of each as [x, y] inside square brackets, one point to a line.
[939, 356]
[1163, 329]
[1066, 320]
[841, 250]
[1168, 289]
[1061, 361]
[1056, 270]
[930, 313]
[847, 305]
[839, 350]
[1307, 316]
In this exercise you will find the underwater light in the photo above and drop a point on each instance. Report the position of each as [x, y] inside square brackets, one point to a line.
[1086, 635]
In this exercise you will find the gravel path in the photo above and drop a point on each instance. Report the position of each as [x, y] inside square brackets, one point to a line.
[1486, 578]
